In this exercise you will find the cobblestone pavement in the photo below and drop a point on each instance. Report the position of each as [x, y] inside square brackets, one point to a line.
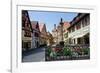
[35, 55]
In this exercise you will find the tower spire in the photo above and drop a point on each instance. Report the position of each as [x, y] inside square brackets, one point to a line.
[54, 26]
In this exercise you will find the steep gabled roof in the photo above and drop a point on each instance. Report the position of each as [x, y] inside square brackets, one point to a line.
[42, 27]
[26, 17]
[35, 25]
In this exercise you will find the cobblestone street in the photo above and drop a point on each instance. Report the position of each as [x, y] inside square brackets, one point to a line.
[35, 55]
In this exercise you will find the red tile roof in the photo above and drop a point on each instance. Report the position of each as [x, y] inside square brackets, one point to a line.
[34, 23]
[66, 24]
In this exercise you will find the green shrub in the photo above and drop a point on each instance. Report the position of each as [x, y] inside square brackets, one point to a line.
[53, 54]
[66, 51]
[86, 51]
[48, 51]
[60, 53]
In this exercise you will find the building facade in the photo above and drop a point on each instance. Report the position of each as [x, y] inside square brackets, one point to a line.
[50, 40]
[35, 34]
[26, 31]
[55, 34]
[79, 31]
[65, 31]
[43, 34]
[60, 33]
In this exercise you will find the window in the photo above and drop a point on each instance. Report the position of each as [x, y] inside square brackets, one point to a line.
[27, 34]
[74, 41]
[88, 20]
[78, 26]
[79, 40]
[85, 20]
[73, 28]
[83, 23]
[36, 34]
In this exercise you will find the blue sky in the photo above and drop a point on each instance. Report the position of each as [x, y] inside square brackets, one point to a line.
[51, 18]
